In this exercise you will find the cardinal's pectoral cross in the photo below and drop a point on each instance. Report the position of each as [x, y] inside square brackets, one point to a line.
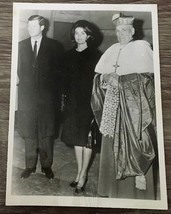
[116, 66]
[117, 59]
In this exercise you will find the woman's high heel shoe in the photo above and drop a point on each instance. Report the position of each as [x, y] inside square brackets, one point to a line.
[79, 189]
[73, 184]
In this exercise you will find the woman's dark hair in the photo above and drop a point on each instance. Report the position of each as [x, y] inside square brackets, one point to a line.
[88, 29]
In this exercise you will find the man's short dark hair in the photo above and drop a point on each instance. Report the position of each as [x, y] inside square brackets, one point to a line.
[41, 19]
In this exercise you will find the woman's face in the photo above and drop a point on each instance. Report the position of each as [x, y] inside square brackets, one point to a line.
[80, 36]
[124, 33]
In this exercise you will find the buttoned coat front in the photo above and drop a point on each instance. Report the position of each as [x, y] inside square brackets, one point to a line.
[37, 87]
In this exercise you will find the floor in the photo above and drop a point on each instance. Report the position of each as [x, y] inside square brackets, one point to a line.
[64, 168]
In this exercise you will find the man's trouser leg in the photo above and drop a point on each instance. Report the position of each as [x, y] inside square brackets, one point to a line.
[31, 152]
[46, 151]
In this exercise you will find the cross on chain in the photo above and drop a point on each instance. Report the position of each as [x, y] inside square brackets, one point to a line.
[116, 64]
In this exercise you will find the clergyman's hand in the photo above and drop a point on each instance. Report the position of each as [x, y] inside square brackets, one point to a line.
[110, 78]
[113, 80]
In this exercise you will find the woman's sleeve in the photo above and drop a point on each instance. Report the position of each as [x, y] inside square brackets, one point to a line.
[100, 67]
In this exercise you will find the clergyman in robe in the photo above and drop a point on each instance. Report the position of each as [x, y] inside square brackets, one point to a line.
[123, 102]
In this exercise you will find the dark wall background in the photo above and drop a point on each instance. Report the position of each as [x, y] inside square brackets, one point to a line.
[103, 22]
[60, 23]
[164, 13]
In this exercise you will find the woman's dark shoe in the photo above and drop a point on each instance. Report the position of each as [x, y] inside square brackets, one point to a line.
[79, 189]
[73, 184]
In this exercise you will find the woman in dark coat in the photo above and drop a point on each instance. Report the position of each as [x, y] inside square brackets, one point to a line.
[80, 63]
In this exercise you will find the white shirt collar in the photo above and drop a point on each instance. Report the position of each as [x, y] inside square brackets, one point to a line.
[38, 43]
[38, 40]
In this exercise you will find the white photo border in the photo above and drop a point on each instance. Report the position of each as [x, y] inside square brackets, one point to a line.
[87, 201]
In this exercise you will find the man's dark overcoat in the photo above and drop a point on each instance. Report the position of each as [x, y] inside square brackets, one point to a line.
[37, 87]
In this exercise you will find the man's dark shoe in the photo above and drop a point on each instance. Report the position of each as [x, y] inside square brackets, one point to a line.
[48, 172]
[27, 172]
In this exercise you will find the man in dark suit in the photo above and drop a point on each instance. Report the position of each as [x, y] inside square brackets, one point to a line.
[38, 66]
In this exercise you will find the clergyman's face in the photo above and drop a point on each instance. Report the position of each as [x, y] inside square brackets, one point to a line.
[124, 33]
[34, 28]
[80, 36]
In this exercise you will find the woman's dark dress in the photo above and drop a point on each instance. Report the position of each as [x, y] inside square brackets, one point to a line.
[79, 74]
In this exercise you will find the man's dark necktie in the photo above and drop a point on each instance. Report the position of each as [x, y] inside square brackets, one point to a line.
[35, 49]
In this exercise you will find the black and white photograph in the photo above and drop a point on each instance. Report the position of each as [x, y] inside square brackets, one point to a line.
[85, 125]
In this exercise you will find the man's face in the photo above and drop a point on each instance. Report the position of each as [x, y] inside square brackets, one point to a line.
[34, 29]
[124, 33]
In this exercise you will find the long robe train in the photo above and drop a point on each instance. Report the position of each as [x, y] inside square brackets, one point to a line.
[134, 137]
